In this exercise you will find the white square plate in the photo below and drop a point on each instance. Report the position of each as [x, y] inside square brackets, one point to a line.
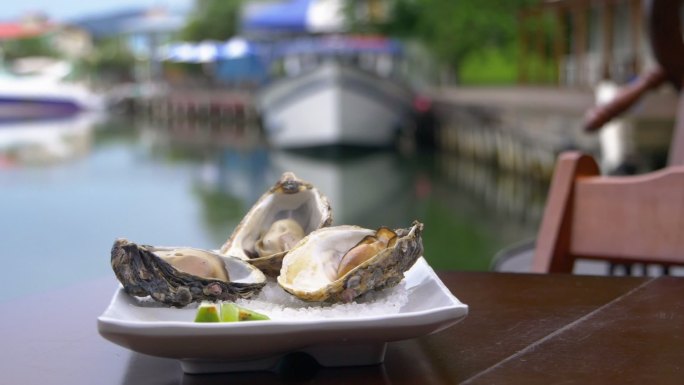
[222, 347]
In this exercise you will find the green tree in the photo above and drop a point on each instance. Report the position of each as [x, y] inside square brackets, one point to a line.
[454, 30]
[111, 61]
[31, 46]
[213, 20]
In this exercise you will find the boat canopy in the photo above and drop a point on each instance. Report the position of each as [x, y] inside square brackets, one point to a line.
[337, 45]
[207, 51]
[295, 16]
[236, 48]
[239, 59]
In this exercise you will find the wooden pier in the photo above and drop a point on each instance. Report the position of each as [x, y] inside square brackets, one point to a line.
[164, 103]
[202, 105]
[204, 118]
[522, 129]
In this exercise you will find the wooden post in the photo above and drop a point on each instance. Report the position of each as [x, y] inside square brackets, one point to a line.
[522, 55]
[538, 41]
[580, 38]
[559, 42]
[637, 13]
[608, 31]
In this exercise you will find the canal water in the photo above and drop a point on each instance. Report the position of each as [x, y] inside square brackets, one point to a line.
[69, 189]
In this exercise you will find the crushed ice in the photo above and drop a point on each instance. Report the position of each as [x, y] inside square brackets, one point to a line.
[280, 305]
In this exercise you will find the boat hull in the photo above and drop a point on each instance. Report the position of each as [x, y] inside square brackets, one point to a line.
[17, 109]
[40, 97]
[334, 106]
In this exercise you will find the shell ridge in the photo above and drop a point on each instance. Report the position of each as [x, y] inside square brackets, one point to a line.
[143, 273]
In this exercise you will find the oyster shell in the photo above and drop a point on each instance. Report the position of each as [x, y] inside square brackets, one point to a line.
[179, 276]
[287, 212]
[338, 264]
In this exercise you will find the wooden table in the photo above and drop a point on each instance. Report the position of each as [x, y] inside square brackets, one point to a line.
[522, 329]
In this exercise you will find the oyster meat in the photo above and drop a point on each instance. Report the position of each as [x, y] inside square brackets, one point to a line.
[338, 264]
[179, 276]
[286, 213]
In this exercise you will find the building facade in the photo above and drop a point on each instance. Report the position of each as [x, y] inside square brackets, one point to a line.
[583, 42]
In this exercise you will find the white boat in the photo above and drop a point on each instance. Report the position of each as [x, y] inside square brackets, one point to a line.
[43, 96]
[341, 91]
[334, 105]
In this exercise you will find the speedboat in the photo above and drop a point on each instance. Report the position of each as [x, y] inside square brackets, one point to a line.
[33, 97]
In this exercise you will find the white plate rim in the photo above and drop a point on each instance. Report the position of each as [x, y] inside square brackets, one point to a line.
[443, 316]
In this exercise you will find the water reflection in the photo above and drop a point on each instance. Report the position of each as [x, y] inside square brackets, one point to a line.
[369, 189]
[520, 198]
[201, 135]
[45, 141]
[152, 185]
[242, 174]
[228, 185]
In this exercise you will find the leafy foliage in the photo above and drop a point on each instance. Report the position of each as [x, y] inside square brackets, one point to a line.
[111, 59]
[453, 30]
[213, 20]
[32, 46]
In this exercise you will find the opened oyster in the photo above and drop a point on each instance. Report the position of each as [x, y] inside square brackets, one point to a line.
[179, 276]
[338, 264]
[284, 215]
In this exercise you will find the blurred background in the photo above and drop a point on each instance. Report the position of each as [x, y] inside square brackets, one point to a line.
[164, 121]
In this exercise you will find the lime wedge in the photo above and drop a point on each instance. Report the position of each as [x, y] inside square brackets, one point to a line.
[250, 315]
[226, 312]
[229, 312]
[207, 312]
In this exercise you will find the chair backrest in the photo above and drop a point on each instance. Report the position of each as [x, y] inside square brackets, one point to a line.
[616, 218]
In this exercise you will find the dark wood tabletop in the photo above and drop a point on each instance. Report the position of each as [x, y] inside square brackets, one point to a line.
[521, 329]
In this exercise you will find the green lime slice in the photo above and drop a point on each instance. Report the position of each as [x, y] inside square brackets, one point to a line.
[207, 312]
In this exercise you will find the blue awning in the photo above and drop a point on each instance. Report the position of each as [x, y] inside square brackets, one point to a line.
[337, 45]
[289, 16]
[207, 51]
